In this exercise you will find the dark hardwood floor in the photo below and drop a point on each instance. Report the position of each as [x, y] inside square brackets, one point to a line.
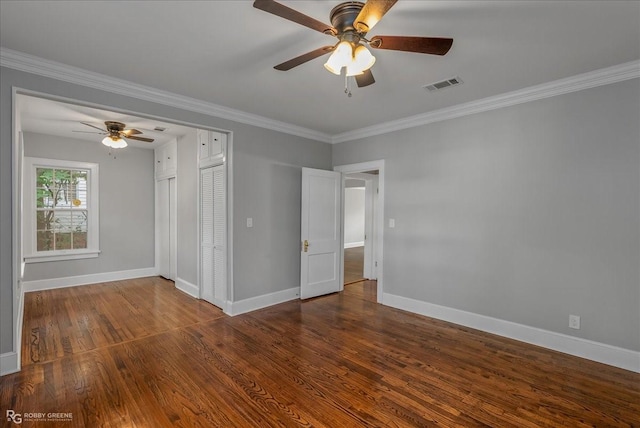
[138, 353]
[67, 321]
[353, 264]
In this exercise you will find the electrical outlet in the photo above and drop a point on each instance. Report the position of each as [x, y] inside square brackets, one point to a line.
[574, 322]
[249, 222]
[392, 222]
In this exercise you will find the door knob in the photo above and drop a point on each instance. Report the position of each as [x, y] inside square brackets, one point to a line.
[306, 245]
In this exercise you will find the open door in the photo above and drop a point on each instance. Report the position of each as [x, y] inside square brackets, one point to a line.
[320, 256]
[167, 228]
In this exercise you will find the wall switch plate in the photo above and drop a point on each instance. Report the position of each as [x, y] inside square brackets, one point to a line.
[574, 322]
[249, 222]
[392, 223]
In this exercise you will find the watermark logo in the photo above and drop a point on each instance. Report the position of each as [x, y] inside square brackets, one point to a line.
[18, 418]
[14, 417]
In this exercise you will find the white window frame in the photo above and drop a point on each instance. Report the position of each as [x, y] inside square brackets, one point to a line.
[31, 255]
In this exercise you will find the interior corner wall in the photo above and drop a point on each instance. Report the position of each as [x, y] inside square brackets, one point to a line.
[267, 175]
[525, 214]
[187, 201]
[126, 197]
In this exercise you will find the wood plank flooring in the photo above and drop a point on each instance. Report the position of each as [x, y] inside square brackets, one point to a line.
[353, 264]
[334, 361]
[66, 321]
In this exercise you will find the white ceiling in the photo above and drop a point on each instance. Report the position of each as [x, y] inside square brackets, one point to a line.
[223, 52]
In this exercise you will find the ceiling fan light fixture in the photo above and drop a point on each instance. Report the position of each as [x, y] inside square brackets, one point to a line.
[351, 21]
[362, 61]
[342, 56]
[115, 142]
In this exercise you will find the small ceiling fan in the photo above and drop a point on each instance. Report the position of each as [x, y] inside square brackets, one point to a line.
[351, 21]
[116, 133]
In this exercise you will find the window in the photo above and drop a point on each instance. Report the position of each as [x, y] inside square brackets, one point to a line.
[60, 210]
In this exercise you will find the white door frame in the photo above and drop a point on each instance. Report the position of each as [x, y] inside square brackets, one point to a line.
[16, 209]
[370, 199]
[378, 216]
[228, 292]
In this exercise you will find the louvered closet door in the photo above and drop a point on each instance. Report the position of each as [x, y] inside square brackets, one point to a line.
[213, 234]
[219, 234]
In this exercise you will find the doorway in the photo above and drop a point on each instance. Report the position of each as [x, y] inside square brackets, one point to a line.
[56, 128]
[362, 225]
[356, 213]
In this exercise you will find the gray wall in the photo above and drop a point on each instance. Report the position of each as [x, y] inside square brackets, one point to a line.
[267, 178]
[526, 214]
[126, 206]
[6, 261]
[354, 214]
[266, 171]
[267, 175]
[187, 194]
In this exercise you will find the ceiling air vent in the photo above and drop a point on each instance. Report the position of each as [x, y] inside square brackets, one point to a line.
[453, 81]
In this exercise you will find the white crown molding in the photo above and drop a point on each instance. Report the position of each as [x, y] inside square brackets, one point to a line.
[605, 76]
[55, 70]
[31, 64]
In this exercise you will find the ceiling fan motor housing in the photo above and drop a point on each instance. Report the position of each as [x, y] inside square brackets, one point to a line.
[342, 18]
[114, 126]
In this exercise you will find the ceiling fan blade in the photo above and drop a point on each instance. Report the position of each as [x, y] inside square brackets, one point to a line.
[133, 137]
[88, 132]
[93, 126]
[285, 12]
[365, 79]
[288, 65]
[372, 13]
[128, 132]
[425, 45]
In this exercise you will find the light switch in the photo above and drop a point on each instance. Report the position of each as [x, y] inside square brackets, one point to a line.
[392, 223]
[249, 222]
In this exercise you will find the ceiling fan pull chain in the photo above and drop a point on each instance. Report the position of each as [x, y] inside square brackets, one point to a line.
[347, 90]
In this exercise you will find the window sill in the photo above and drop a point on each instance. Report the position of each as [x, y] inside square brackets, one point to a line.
[61, 256]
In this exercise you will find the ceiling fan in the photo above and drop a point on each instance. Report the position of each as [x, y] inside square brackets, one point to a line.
[350, 22]
[116, 133]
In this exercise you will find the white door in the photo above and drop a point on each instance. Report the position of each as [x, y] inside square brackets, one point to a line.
[320, 232]
[167, 228]
[219, 235]
[213, 235]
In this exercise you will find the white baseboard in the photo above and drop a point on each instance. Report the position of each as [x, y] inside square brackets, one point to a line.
[72, 281]
[354, 244]
[18, 342]
[9, 363]
[259, 302]
[188, 288]
[600, 352]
